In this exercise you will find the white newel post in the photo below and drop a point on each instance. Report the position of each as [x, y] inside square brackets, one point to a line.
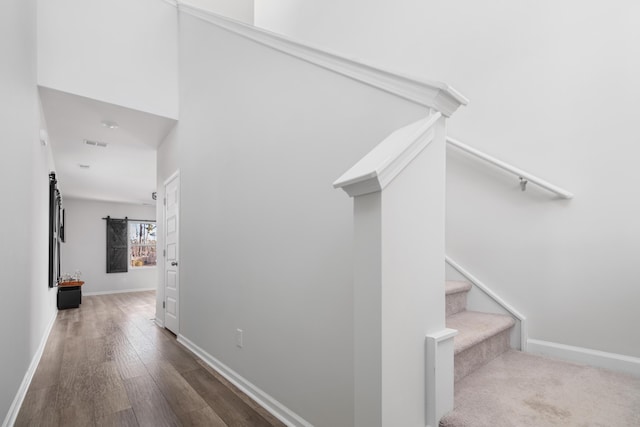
[403, 352]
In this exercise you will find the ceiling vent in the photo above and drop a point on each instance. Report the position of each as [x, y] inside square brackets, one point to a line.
[94, 143]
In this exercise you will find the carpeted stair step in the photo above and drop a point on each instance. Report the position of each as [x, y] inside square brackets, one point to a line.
[456, 296]
[525, 390]
[481, 338]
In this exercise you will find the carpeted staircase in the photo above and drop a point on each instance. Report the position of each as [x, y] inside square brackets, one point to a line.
[499, 387]
[481, 336]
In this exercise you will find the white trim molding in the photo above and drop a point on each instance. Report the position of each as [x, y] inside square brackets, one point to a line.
[121, 291]
[382, 164]
[277, 409]
[440, 375]
[484, 288]
[597, 358]
[14, 409]
[437, 95]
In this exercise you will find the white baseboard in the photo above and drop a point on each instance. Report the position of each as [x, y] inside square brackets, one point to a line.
[121, 291]
[276, 408]
[159, 322]
[600, 359]
[14, 409]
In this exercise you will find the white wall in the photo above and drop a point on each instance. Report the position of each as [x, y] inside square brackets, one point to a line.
[168, 161]
[553, 89]
[266, 242]
[85, 246]
[240, 10]
[121, 52]
[24, 169]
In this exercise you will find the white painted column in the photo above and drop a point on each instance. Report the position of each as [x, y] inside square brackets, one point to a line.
[398, 191]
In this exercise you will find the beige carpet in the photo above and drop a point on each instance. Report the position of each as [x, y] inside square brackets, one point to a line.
[520, 389]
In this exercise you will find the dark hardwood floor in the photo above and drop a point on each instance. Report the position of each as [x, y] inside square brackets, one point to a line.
[108, 364]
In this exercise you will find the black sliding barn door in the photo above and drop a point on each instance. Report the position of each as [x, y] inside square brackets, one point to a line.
[117, 247]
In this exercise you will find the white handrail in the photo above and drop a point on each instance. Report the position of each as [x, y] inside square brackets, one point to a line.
[525, 177]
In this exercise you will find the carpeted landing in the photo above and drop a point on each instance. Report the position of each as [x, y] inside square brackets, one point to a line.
[519, 389]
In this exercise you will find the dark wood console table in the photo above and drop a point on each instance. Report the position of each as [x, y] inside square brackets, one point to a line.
[69, 294]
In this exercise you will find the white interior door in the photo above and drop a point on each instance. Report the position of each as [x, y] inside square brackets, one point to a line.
[171, 265]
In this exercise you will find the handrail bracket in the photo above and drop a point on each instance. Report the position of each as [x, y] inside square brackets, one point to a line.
[523, 184]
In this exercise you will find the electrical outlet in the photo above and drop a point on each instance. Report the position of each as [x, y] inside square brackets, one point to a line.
[239, 338]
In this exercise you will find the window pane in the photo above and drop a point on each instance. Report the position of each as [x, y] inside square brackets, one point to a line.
[142, 241]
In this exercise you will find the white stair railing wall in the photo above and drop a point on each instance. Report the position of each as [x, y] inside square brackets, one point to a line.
[275, 121]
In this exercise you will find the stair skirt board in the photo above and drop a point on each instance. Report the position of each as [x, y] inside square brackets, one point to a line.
[480, 354]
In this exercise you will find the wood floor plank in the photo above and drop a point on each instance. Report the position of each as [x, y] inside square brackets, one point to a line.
[273, 421]
[74, 350]
[131, 368]
[181, 359]
[75, 414]
[39, 408]
[206, 417]
[48, 370]
[233, 411]
[149, 405]
[182, 398]
[74, 368]
[109, 394]
[140, 343]
[96, 349]
[125, 418]
[75, 396]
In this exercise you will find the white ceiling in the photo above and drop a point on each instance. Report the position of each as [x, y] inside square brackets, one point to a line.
[124, 171]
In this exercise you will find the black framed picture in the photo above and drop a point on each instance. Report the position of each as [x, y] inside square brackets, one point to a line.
[55, 220]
